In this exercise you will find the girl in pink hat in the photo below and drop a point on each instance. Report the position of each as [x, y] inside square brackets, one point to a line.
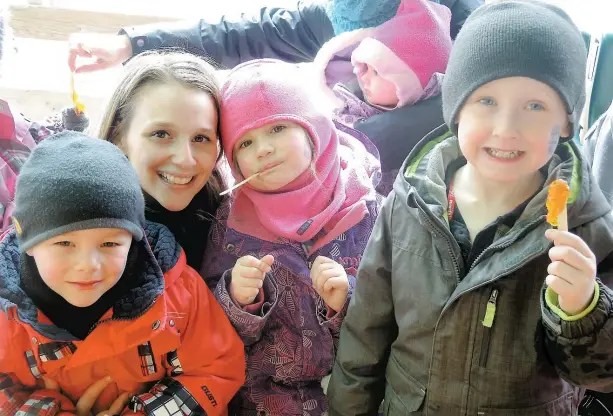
[285, 249]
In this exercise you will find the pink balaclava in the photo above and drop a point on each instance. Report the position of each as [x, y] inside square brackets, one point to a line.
[317, 206]
[409, 48]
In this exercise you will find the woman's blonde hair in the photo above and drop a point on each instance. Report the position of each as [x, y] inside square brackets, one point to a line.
[163, 68]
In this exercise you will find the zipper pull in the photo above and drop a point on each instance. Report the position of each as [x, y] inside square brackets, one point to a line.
[490, 311]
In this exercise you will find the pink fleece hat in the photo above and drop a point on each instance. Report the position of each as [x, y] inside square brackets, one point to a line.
[332, 198]
[409, 48]
[265, 91]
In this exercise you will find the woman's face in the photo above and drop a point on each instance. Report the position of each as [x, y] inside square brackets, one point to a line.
[172, 142]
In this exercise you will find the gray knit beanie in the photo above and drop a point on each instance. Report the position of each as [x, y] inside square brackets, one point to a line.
[516, 38]
[75, 182]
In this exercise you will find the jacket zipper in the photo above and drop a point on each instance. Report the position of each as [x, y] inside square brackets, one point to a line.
[441, 233]
[504, 245]
[120, 319]
[488, 322]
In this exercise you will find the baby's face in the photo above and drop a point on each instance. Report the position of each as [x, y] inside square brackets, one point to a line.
[81, 266]
[377, 90]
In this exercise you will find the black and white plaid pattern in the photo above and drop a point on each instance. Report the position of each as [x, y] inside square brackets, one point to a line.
[33, 364]
[173, 359]
[147, 360]
[38, 406]
[167, 398]
[53, 351]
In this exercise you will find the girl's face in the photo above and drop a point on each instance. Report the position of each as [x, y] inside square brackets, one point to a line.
[172, 142]
[282, 149]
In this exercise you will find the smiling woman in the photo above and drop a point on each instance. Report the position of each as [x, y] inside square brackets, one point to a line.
[172, 142]
[164, 115]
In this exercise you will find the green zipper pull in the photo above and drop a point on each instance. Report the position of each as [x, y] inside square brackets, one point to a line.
[490, 311]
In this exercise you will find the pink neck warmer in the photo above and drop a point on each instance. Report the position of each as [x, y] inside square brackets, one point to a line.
[318, 207]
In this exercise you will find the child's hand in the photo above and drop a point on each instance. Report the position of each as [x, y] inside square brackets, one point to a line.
[248, 278]
[572, 271]
[86, 404]
[330, 282]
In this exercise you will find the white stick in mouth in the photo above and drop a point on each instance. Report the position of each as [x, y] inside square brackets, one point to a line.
[241, 183]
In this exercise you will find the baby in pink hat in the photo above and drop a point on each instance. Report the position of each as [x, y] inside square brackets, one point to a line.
[395, 64]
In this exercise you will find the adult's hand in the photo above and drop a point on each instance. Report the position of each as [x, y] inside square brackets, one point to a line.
[89, 52]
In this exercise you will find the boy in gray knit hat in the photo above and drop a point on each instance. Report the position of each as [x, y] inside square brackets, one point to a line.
[467, 301]
[92, 293]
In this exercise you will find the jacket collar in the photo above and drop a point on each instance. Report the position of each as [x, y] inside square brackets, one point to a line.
[424, 175]
[163, 254]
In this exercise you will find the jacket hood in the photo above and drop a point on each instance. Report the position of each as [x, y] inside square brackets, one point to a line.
[423, 176]
[163, 254]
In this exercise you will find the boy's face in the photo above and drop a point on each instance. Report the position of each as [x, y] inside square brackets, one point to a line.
[377, 90]
[509, 128]
[81, 266]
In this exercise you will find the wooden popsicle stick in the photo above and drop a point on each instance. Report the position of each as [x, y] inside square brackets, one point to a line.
[241, 183]
[563, 220]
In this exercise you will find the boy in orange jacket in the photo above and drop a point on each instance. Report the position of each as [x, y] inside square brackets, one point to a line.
[89, 290]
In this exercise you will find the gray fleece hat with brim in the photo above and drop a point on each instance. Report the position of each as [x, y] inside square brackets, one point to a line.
[516, 38]
[74, 182]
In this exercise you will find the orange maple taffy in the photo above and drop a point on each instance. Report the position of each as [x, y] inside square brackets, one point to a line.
[556, 200]
[79, 107]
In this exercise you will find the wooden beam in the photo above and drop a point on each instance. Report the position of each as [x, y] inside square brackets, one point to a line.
[53, 23]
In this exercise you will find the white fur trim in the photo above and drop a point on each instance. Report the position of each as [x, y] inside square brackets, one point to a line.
[327, 52]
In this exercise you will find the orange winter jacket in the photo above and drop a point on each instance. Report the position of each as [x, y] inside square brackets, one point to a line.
[167, 342]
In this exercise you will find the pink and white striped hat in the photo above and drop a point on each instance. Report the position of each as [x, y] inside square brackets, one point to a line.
[409, 48]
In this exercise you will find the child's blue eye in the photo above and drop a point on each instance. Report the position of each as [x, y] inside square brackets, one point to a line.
[160, 134]
[278, 129]
[487, 101]
[110, 244]
[201, 139]
[63, 243]
[244, 144]
[536, 106]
